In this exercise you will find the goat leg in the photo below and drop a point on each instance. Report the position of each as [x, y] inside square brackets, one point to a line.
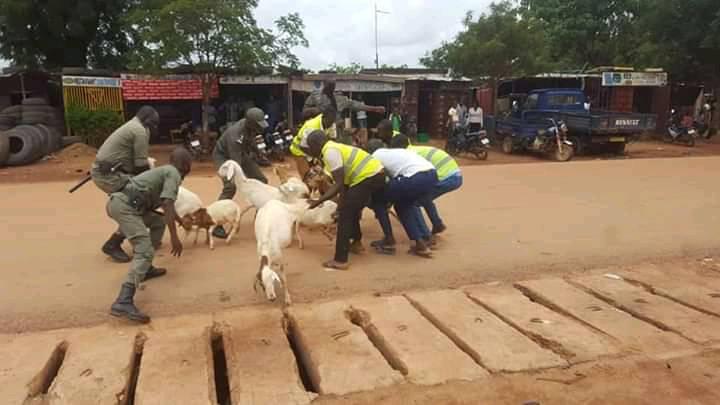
[210, 237]
[287, 302]
[301, 245]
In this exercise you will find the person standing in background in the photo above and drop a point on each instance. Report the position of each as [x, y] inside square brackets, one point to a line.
[452, 120]
[462, 111]
[475, 116]
[396, 119]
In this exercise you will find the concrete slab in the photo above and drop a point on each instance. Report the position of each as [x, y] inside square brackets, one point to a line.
[424, 353]
[489, 340]
[633, 333]
[563, 335]
[176, 366]
[22, 360]
[340, 357]
[95, 369]
[684, 287]
[694, 325]
[261, 366]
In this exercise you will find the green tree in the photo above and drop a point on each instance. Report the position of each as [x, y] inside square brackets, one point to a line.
[587, 32]
[493, 45]
[58, 33]
[682, 36]
[212, 36]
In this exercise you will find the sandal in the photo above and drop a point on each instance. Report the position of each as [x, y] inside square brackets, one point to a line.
[333, 265]
[357, 248]
[425, 254]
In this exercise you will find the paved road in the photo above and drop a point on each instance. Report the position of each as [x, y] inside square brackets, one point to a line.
[508, 222]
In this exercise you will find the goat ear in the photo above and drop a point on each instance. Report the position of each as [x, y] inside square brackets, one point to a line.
[230, 171]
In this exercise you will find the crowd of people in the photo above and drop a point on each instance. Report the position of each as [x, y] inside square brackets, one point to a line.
[383, 172]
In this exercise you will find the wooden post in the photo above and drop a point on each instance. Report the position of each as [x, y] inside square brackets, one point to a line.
[290, 117]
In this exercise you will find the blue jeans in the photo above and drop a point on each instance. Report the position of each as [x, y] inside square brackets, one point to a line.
[451, 183]
[404, 192]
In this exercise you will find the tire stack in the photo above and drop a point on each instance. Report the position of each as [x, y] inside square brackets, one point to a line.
[28, 132]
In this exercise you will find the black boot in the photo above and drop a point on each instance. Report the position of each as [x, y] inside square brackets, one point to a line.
[154, 272]
[113, 248]
[220, 233]
[124, 306]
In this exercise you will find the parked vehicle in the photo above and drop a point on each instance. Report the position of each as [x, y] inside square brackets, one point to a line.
[677, 133]
[191, 141]
[550, 139]
[463, 141]
[586, 128]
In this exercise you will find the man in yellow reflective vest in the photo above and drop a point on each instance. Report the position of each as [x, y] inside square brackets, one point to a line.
[324, 122]
[357, 177]
[449, 176]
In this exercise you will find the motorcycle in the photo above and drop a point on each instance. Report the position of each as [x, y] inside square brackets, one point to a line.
[677, 133]
[190, 141]
[553, 141]
[262, 153]
[463, 141]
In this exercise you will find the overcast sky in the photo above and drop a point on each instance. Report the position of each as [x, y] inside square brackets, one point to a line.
[342, 31]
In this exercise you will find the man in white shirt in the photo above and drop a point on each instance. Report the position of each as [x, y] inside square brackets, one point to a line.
[475, 117]
[410, 178]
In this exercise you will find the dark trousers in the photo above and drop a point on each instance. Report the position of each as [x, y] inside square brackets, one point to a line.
[251, 170]
[355, 200]
[452, 183]
[404, 193]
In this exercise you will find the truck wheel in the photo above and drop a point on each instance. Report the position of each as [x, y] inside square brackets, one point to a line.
[566, 154]
[616, 148]
[577, 145]
[507, 145]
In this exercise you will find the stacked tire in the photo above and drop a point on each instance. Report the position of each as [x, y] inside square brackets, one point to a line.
[29, 131]
[26, 144]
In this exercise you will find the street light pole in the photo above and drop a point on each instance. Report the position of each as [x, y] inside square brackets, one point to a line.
[377, 54]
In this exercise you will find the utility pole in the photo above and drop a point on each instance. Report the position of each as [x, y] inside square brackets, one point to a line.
[377, 54]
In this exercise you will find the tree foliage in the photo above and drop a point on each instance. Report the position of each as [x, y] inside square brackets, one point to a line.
[584, 32]
[522, 36]
[496, 44]
[213, 35]
[57, 33]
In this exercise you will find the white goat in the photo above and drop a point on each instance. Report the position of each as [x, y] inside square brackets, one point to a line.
[186, 204]
[321, 217]
[217, 214]
[275, 224]
[257, 193]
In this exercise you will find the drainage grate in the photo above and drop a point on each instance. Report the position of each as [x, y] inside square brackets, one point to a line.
[301, 357]
[222, 382]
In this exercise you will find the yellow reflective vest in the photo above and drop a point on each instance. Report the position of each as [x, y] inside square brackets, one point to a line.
[309, 126]
[358, 164]
[444, 164]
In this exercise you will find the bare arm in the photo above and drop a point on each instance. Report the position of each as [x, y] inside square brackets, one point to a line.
[170, 218]
[338, 187]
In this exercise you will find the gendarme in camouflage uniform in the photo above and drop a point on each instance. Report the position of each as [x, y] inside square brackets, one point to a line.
[133, 208]
[124, 153]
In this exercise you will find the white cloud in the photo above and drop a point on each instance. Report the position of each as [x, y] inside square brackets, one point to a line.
[342, 31]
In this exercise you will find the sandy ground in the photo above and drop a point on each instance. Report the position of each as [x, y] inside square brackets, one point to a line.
[507, 222]
[72, 166]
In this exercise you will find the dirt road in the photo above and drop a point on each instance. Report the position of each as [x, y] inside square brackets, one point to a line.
[507, 222]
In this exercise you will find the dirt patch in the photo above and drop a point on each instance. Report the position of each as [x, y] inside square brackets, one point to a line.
[76, 151]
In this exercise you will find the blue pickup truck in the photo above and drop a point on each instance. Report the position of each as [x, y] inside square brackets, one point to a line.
[585, 128]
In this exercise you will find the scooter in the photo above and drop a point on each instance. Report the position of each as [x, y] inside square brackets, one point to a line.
[677, 133]
[463, 141]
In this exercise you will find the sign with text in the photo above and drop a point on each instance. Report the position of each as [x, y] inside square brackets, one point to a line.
[87, 81]
[656, 79]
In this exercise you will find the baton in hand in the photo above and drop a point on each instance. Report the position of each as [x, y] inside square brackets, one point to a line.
[82, 182]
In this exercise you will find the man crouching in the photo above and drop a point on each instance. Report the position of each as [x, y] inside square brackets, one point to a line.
[133, 209]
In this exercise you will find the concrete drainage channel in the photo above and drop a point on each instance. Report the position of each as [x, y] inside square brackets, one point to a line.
[260, 355]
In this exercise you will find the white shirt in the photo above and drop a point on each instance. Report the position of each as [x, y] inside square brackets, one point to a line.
[402, 162]
[476, 115]
[453, 114]
[361, 115]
